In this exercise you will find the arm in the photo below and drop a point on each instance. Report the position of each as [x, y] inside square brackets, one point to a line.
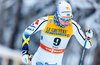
[33, 28]
[80, 35]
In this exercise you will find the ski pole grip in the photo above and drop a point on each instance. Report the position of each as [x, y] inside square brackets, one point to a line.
[87, 30]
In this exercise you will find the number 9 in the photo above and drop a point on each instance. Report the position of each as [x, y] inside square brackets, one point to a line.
[57, 41]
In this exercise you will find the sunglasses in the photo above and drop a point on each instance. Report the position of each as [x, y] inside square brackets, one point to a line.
[65, 19]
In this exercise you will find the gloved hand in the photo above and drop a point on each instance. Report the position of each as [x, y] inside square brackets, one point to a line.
[26, 57]
[89, 35]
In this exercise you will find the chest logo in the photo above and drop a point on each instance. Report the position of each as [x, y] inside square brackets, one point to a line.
[55, 31]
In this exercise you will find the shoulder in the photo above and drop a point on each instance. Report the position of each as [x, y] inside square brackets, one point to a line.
[40, 21]
[75, 24]
[43, 19]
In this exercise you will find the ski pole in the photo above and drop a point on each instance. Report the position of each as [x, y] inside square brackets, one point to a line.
[83, 52]
[87, 30]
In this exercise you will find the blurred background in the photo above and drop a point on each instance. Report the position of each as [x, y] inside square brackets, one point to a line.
[16, 15]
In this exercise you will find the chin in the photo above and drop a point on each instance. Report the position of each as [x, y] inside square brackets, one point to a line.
[66, 25]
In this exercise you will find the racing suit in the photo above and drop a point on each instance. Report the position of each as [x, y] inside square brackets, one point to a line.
[54, 40]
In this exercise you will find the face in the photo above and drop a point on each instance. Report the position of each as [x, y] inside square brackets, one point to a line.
[66, 22]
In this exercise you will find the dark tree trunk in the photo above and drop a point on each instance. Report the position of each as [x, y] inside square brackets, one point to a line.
[17, 20]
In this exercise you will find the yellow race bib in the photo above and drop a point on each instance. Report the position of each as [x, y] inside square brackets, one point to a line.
[53, 30]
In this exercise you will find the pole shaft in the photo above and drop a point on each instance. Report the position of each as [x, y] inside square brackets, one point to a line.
[83, 52]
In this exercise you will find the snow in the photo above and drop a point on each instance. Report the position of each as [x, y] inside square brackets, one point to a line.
[26, 6]
[9, 3]
[42, 3]
[83, 4]
[29, 3]
[9, 53]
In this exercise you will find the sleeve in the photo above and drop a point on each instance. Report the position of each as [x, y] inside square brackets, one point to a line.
[33, 28]
[80, 36]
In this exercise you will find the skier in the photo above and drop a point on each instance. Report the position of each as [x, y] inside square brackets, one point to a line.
[56, 30]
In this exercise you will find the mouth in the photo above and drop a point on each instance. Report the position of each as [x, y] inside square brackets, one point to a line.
[65, 23]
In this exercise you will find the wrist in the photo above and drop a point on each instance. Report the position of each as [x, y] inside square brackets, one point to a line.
[89, 39]
[25, 52]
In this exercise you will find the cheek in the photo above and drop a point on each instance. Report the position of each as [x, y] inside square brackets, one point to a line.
[60, 21]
